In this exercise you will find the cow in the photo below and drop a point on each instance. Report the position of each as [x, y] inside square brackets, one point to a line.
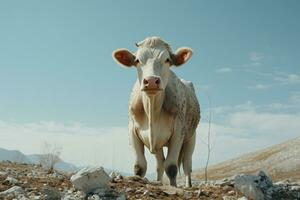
[163, 109]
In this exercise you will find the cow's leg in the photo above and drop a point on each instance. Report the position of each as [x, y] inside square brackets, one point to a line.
[188, 149]
[172, 158]
[160, 158]
[140, 166]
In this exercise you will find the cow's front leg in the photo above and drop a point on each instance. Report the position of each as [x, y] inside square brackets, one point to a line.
[140, 165]
[172, 157]
[160, 158]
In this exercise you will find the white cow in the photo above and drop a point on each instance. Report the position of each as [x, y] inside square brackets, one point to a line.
[163, 110]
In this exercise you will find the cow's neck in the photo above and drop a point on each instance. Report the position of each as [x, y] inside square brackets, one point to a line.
[153, 106]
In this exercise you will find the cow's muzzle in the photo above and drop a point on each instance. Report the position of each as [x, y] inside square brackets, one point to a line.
[151, 84]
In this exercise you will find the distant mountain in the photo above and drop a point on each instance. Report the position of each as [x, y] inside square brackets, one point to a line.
[281, 161]
[61, 166]
[19, 157]
[14, 156]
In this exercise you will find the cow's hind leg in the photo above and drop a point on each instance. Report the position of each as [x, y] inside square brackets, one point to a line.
[160, 158]
[140, 166]
[188, 149]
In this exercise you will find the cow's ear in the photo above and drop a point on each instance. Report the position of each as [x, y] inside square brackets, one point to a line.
[123, 57]
[182, 55]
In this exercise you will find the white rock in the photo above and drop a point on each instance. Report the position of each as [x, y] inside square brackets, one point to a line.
[295, 187]
[247, 186]
[230, 192]
[94, 197]
[242, 198]
[114, 174]
[12, 192]
[228, 198]
[3, 173]
[90, 178]
[12, 180]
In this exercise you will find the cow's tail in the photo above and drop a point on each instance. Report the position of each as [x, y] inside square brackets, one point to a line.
[180, 158]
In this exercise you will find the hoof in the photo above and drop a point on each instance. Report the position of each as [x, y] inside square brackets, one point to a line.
[138, 170]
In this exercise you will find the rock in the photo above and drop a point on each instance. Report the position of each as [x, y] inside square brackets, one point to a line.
[22, 197]
[242, 198]
[12, 192]
[229, 198]
[265, 182]
[51, 193]
[170, 190]
[231, 192]
[56, 176]
[94, 197]
[146, 192]
[75, 196]
[283, 182]
[114, 174]
[202, 193]
[2, 173]
[121, 197]
[90, 178]
[295, 187]
[106, 193]
[187, 195]
[226, 181]
[11, 180]
[253, 186]
[128, 190]
[138, 179]
[227, 188]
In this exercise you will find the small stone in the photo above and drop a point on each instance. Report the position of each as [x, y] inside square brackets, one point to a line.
[128, 190]
[37, 198]
[119, 177]
[229, 198]
[188, 195]
[227, 188]
[202, 193]
[146, 192]
[231, 192]
[51, 193]
[94, 197]
[242, 198]
[3, 173]
[11, 180]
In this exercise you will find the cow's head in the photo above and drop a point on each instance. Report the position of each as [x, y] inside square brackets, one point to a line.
[153, 60]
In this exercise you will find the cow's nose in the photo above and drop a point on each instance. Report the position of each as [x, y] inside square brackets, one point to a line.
[151, 82]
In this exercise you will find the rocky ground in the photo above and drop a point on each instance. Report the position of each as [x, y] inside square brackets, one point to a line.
[23, 181]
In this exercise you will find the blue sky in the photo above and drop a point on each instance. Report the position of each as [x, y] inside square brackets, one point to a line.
[56, 66]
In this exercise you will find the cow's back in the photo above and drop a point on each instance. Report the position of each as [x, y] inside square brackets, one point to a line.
[192, 116]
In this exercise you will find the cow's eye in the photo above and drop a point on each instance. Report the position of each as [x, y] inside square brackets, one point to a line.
[137, 61]
[167, 60]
